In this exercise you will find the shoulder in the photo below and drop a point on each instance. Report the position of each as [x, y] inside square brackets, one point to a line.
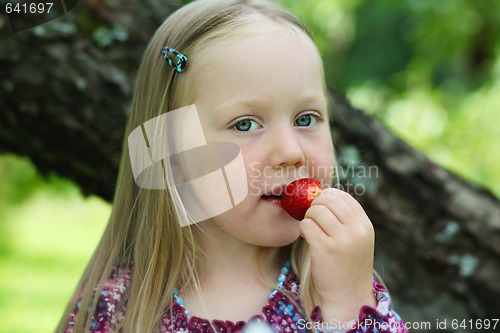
[118, 280]
[110, 301]
[292, 283]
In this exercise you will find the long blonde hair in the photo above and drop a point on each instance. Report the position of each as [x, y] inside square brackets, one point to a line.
[144, 227]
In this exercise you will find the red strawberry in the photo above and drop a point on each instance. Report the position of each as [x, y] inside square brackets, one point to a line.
[298, 196]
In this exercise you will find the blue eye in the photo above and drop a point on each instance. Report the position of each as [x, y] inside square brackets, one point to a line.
[306, 120]
[246, 125]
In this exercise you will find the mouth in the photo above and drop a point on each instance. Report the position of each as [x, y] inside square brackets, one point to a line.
[272, 199]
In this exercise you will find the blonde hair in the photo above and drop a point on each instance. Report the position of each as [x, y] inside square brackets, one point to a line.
[144, 227]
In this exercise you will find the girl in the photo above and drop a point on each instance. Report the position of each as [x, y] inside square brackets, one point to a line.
[255, 78]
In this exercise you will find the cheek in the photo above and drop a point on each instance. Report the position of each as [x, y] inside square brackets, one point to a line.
[253, 163]
[321, 161]
[253, 168]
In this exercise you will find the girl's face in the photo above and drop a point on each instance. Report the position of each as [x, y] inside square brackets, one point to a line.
[264, 92]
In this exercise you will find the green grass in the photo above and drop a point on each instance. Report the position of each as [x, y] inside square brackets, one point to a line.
[48, 233]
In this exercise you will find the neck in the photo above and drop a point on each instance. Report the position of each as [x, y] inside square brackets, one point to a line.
[228, 270]
[227, 261]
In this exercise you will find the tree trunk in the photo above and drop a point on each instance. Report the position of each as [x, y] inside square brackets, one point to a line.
[438, 237]
[64, 91]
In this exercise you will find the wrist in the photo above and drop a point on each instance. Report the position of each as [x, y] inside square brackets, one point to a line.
[345, 309]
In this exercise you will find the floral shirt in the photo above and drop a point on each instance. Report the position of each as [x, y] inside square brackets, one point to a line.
[281, 314]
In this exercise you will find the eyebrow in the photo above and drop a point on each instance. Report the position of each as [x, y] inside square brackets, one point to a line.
[257, 102]
[249, 103]
[313, 98]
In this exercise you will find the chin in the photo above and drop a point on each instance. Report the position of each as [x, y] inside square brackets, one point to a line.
[279, 239]
[282, 243]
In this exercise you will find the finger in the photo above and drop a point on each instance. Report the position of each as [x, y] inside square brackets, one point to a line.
[312, 232]
[344, 195]
[351, 213]
[348, 199]
[338, 206]
[325, 218]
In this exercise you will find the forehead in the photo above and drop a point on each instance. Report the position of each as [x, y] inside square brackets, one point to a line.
[259, 56]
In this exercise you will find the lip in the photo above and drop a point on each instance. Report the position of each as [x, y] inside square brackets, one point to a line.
[276, 190]
[274, 200]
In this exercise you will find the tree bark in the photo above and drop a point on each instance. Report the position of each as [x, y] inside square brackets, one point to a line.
[438, 237]
[64, 93]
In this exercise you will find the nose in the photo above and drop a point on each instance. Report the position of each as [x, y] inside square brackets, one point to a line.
[285, 148]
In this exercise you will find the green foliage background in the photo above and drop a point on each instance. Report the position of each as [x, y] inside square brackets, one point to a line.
[429, 70]
[48, 231]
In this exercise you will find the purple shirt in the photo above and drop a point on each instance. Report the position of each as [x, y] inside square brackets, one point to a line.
[281, 313]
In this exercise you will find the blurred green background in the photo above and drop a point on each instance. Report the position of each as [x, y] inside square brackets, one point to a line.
[47, 233]
[429, 70]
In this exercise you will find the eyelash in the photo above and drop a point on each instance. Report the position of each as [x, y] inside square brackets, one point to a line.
[310, 113]
[239, 120]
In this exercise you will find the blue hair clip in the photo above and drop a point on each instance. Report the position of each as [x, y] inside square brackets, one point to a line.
[181, 62]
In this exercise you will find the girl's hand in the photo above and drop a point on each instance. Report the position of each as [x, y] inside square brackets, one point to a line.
[341, 243]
